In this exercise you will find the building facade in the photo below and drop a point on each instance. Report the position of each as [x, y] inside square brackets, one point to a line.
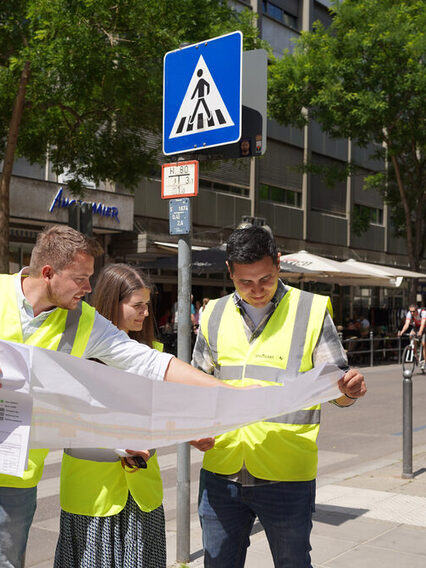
[301, 210]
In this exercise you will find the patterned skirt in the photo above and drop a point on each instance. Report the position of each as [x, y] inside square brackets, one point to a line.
[131, 539]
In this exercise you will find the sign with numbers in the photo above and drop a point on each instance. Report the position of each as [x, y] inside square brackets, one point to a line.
[180, 216]
[179, 179]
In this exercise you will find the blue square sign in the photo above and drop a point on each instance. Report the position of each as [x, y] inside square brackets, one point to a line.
[202, 95]
[180, 216]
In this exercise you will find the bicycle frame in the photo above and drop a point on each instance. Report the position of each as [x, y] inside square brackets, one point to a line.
[413, 355]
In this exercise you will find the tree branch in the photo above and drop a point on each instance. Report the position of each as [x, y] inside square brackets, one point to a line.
[410, 243]
[9, 158]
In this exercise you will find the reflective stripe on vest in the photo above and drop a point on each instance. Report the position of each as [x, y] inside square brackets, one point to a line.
[98, 486]
[49, 336]
[282, 448]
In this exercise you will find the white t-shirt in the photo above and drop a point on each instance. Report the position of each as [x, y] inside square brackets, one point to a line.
[106, 342]
[257, 314]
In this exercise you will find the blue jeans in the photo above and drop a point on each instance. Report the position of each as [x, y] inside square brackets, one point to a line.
[17, 508]
[227, 512]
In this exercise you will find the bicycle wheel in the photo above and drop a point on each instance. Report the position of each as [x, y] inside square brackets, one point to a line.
[408, 359]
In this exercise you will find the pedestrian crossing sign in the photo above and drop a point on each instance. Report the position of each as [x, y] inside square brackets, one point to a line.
[202, 95]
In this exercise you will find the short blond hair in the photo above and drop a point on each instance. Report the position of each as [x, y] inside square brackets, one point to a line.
[58, 245]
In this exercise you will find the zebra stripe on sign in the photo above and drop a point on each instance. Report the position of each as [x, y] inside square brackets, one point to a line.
[202, 107]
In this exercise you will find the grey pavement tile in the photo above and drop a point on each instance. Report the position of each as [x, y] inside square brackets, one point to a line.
[48, 487]
[403, 538]
[47, 507]
[41, 547]
[417, 488]
[47, 564]
[325, 548]
[340, 526]
[394, 469]
[375, 482]
[258, 559]
[51, 470]
[196, 547]
[371, 557]
[326, 458]
[49, 524]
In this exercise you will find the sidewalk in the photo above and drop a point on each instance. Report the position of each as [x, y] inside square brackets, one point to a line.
[365, 517]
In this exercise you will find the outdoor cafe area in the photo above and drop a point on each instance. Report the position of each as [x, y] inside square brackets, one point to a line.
[369, 301]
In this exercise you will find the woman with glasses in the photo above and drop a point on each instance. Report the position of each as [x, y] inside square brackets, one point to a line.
[112, 514]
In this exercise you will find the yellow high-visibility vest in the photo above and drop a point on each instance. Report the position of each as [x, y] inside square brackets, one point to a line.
[100, 488]
[63, 330]
[283, 448]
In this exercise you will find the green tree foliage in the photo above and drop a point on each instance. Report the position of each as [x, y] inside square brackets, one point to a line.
[81, 82]
[364, 78]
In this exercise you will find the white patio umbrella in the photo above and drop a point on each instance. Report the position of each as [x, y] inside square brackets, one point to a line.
[315, 268]
[313, 262]
[368, 268]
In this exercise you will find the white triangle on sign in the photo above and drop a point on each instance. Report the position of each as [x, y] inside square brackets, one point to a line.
[202, 107]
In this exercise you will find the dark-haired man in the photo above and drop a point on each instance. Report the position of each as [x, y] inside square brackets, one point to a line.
[264, 331]
[413, 320]
[42, 306]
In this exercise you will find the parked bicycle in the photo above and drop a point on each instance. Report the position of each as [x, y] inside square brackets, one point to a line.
[413, 355]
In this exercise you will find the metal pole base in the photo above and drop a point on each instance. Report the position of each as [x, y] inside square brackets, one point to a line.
[407, 475]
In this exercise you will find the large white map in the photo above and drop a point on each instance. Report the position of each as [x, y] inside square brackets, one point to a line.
[79, 403]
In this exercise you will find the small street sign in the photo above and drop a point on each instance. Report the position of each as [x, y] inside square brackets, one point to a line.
[180, 216]
[202, 95]
[179, 179]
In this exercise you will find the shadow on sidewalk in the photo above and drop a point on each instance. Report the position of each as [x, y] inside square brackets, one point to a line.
[336, 516]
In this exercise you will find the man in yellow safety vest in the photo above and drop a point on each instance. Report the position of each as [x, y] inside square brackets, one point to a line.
[42, 306]
[269, 332]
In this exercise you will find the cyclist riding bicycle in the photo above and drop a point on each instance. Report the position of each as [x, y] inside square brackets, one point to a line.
[416, 321]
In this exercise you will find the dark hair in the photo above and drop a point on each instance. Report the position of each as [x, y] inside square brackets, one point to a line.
[249, 245]
[116, 282]
[58, 245]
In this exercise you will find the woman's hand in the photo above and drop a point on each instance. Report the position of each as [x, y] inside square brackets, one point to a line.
[131, 462]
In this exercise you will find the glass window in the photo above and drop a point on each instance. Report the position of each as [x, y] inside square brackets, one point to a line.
[374, 214]
[278, 14]
[217, 186]
[264, 192]
[280, 195]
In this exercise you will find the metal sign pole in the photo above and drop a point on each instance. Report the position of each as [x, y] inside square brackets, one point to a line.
[184, 353]
[180, 179]
[179, 182]
[202, 109]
